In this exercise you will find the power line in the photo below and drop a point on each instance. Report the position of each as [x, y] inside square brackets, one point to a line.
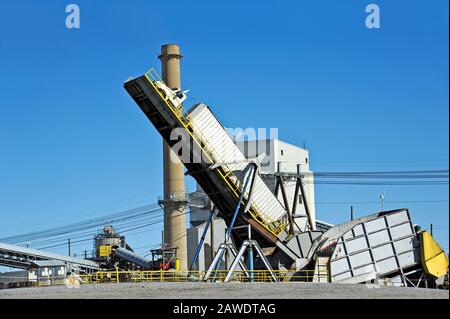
[52, 239]
[125, 231]
[377, 178]
[377, 202]
[384, 172]
[90, 234]
[115, 217]
[90, 239]
[401, 158]
[79, 212]
[381, 183]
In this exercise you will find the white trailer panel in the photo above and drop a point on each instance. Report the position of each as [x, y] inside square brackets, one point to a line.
[225, 151]
[392, 247]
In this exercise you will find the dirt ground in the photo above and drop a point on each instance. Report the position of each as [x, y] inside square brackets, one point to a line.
[223, 291]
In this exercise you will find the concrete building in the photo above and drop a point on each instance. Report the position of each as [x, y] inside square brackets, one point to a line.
[213, 238]
[47, 272]
[287, 159]
[41, 273]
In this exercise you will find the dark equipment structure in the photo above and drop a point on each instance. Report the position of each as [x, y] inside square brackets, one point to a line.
[164, 258]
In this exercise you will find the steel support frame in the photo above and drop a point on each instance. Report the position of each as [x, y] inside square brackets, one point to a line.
[299, 188]
[224, 248]
[249, 178]
[250, 244]
[202, 239]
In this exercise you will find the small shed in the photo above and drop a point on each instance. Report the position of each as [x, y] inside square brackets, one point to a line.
[47, 272]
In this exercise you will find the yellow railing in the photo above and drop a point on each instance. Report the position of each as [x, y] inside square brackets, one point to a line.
[48, 282]
[266, 276]
[225, 172]
[116, 276]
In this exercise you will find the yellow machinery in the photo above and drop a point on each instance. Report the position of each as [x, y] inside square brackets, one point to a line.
[433, 257]
[105, 250]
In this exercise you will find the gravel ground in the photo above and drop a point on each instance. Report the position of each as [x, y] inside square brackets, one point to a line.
[224, 291]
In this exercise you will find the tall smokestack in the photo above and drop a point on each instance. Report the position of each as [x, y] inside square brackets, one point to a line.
[174, 192]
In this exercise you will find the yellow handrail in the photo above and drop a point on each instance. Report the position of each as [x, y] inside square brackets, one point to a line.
[115, 276]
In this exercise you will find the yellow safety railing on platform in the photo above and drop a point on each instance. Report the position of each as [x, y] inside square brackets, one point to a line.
[275, 227]
[170, 276]
[116, 276]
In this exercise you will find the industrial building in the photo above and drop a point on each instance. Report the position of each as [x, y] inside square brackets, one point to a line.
[288, 160]
[246, 195]
[252, 216]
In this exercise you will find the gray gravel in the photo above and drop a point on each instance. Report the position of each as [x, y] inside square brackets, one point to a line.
[224, 291]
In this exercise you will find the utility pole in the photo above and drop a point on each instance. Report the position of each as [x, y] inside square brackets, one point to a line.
[382, 201]
[68, 245]
[351, 212]
[211, 227]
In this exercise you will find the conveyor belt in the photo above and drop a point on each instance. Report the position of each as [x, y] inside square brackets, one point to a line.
[131, 256]
[23, 257]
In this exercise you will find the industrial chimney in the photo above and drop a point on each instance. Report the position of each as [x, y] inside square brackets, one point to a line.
[174, 202]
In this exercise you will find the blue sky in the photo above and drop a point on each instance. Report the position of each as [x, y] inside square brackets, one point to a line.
[74, 145]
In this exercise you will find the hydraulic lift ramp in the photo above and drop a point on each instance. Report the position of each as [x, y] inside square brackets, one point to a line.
[214, 162]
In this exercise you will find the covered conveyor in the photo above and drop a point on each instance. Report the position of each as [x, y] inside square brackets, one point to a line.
[24, 257]
[130, 256]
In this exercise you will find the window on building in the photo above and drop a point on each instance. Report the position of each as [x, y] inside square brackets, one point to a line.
[281, 152]
[300, 199]
[306, 160]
